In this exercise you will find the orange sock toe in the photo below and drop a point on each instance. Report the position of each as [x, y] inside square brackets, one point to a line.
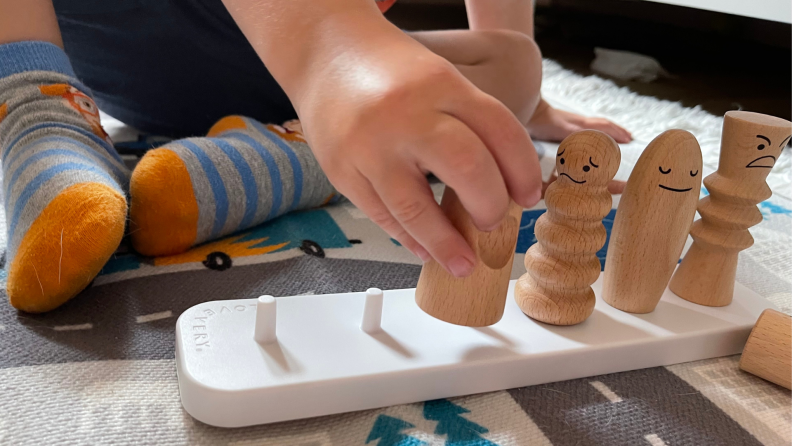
[164, 212]
[66, 246]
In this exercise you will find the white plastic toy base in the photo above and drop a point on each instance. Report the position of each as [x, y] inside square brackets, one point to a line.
[320, 361]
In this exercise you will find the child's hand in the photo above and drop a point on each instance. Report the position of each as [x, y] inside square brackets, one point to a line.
[380, 111]
[550, 124]
[383, 114]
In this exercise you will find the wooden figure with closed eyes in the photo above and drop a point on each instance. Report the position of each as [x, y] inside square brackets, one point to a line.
[652, 223]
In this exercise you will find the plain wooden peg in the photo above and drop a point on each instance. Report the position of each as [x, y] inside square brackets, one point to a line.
[563, 264]
[768, 352]
[652, 222]
[479, 299]
[750, 146]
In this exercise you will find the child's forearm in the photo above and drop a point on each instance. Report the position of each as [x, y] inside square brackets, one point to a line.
[514, 15]
[296, 39]
[22, 20]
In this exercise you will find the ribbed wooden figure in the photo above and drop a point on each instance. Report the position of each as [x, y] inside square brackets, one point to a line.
[652, 223]
[750, 146]
[563, 263]
[479, 299]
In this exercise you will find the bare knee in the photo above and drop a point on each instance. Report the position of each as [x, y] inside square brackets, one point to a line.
[504, 64]
[516, 59]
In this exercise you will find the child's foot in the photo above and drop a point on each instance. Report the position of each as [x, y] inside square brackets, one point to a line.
[63, 188]
[198, 189]
[551, 124]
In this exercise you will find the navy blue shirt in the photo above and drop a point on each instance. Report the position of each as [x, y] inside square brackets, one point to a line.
[168, 67]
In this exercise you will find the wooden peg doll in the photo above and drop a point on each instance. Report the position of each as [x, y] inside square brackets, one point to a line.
[768, 352]
[479, 299]
[750, 146]
[652, 222]
[563, 264]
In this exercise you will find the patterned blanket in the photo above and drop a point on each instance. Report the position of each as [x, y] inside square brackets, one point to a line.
[100, 370]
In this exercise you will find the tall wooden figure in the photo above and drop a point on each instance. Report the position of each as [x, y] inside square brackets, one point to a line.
[563, 263]
[750, 145]
[652, 223]
[479, 299]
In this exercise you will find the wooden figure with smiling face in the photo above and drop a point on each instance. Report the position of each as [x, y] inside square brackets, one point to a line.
[562, 265]
[652, 222]
[750, 146]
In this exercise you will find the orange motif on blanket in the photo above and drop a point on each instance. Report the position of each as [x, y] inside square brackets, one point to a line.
[3, 111]
[79, 102]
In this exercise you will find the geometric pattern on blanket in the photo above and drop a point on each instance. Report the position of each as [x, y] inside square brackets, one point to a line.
[100, 369]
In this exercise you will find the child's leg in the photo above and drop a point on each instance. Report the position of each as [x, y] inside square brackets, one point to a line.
[63, 183]
[31, 20]
[504, 64]
[199, 189]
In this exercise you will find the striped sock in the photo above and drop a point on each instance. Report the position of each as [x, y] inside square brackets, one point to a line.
[242, 174]
[63, 182]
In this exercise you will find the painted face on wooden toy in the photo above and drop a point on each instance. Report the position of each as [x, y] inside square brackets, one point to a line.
[679, 179]
[588, 157]
[751, 144]
[671, 164]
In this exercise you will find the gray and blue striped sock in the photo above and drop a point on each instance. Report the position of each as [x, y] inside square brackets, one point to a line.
[242, 174]
[63, 183]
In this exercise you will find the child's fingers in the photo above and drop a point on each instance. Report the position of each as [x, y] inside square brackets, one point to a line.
[361, 193]
[507, 140]
[458, 157]
[404, 190]
[616, 187]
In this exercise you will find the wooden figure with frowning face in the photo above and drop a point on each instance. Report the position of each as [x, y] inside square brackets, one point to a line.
[750, 146]
[563, 263]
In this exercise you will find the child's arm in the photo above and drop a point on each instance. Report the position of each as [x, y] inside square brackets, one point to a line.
[547, 122]
[380, 111]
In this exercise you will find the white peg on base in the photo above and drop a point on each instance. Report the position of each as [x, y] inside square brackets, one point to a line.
[266, 318]
[372, 311]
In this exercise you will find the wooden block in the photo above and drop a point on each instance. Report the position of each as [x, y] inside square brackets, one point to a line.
[563, 264]
[768, 352]
[652, 223]
[479, 299]
[750, 145]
